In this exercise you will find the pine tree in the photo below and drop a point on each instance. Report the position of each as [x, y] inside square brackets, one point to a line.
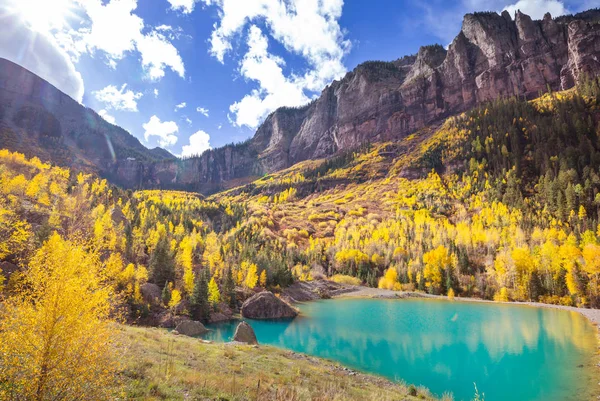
[229, 289]
[162, 265]
[199, 306]
[166, 293]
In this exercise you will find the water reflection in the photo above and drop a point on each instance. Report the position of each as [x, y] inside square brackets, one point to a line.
[516, 353]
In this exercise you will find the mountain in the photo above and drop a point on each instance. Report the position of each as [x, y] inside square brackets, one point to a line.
[39, 120]
[493, 56]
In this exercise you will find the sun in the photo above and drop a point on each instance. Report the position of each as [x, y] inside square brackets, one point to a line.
[43, 15]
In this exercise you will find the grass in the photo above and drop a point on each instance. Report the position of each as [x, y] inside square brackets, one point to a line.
[158, 365]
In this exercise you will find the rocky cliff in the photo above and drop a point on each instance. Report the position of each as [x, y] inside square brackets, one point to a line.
[492, 56]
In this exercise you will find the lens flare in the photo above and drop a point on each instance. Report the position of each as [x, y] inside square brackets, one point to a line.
[43, 15]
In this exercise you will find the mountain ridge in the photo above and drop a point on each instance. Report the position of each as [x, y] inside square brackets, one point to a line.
[38, 119]
[493, 56]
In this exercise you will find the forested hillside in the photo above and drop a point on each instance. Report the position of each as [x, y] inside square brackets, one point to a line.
[500, 203]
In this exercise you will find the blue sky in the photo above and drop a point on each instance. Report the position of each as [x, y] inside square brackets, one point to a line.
[187, 75]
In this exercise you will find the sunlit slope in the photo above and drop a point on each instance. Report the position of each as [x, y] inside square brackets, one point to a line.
[498, 202]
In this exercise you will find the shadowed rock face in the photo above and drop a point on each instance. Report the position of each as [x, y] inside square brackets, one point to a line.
[39, 120]
[492, 56]
[265, 305]
[245, 334]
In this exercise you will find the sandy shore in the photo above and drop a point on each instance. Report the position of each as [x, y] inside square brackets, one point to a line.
[593, 315]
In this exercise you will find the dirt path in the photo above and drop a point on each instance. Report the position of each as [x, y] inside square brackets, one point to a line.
[593, 315]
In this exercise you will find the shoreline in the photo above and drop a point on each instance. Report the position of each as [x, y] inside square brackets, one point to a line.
[593, 315]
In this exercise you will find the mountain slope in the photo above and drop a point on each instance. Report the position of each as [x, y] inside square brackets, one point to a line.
[493, 56]
[500, 202]
[39, 120]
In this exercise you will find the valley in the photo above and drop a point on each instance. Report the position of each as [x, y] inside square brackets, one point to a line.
[466, 173]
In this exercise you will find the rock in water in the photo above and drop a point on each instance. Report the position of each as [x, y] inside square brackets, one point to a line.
[245, 334]
[191, 328]
[265, 305]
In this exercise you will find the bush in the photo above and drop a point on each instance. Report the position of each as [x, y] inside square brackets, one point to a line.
[344, 279]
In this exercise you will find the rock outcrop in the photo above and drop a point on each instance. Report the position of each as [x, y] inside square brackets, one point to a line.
[245, 334]
[265, 305]
[492, 56]
[191, 328]
[150, 293]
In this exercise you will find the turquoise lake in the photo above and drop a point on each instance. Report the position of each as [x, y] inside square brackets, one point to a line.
[511, 352]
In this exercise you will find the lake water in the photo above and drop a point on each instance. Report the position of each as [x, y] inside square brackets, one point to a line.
[511, 352]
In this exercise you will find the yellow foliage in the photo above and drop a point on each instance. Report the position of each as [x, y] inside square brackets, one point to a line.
[175, 299]
[214, 295]
[502, 295]
[344, 279]
[251, 276]
[56, 338]
[390, 280]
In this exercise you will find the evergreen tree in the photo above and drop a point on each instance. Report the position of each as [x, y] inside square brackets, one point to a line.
[166, 294]
[199, 306]
[535, 286]
[229, 289]
[162, 265]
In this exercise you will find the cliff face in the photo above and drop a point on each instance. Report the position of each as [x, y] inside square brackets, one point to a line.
[39, 120]
[492, 56]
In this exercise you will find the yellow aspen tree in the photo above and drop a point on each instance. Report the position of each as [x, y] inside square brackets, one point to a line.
[175, 299]
[389, 281]
[263, 278]
[251, 276]
[56, 337]
[185, 258]
[436, 261]
[214, 295]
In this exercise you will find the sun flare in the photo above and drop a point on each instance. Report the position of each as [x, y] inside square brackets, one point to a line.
[43, 15]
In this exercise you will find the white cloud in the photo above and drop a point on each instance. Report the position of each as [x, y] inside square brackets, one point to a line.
[104, 114]
[537, 8]
[155, 93]
[220, 126]
[157, 54]
[187, 120]
[180, 106]
[322, 46]
[43, 56]
[113, 29]
[165, 131]
[185, 6]
[199, 142]
[202, 111]
[275, 89]
[118, 99]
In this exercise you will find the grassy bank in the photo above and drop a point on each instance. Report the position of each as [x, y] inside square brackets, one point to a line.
[158, 365]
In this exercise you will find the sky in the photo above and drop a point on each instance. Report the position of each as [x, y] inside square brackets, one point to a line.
[190, 75]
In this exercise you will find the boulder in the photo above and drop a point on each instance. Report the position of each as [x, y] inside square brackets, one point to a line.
[168, 320]
[218, 317]
[150, 293]
[245, 334]
[265, 305]
[191, 328]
